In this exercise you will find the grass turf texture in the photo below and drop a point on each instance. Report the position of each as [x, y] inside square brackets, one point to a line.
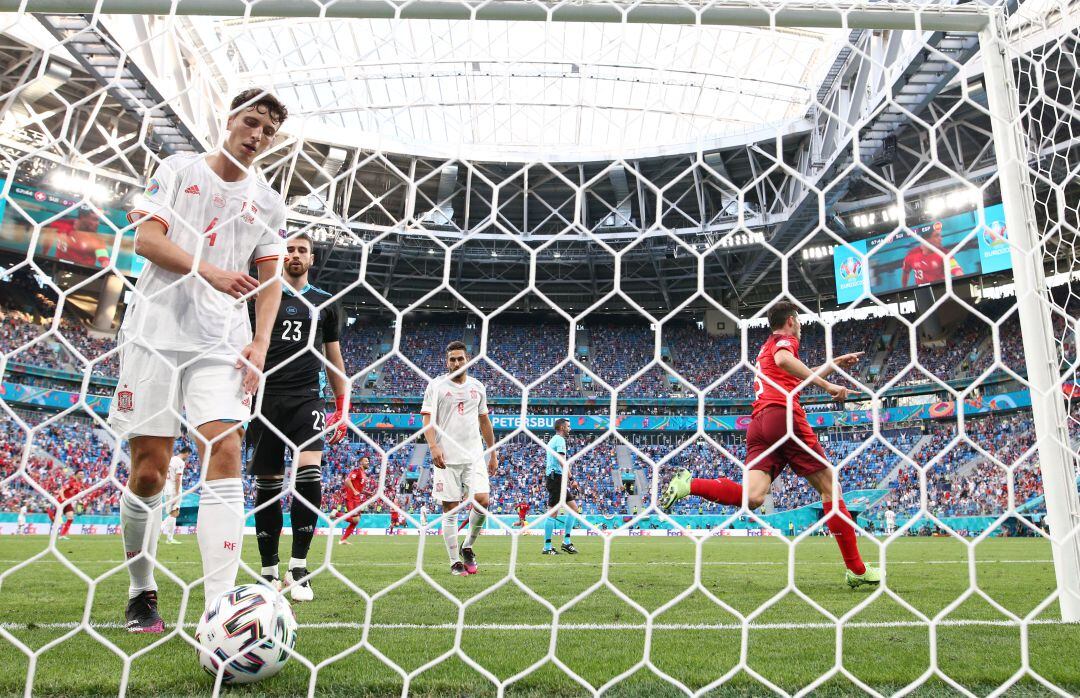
[602, 635]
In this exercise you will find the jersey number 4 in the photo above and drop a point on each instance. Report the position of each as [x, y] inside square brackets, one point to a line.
[213, 236]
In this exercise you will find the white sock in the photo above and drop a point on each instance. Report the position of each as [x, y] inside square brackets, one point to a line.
[270, 572]
[296, 562]
[169, 527]
[136, 513]
[221, 534]
[449, 534]
[476, 524]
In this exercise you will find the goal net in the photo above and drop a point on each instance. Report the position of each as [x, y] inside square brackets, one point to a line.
[602, 201]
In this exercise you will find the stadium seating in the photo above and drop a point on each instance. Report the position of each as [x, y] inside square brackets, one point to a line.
[960, 481]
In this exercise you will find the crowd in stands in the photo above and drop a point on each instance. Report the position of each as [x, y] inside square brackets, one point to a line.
[959, 479]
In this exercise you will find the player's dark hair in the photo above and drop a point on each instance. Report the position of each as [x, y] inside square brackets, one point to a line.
[561, 421]
[304, 236]
[185, 450]
[456, 345]
[780, 312]
[256, 97]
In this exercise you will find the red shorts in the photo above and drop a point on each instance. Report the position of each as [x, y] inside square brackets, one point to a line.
[769, 427]
[351, 503]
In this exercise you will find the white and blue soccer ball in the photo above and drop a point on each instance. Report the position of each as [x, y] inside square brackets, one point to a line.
[249, 630]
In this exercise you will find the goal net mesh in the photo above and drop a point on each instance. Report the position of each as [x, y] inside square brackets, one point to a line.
[603, 212]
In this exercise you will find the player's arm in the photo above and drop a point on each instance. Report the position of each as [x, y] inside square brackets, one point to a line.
[432, 438]
[488, 432]
[431, 435]
[340, 385]
[266, 306]
[152, 242]
[906, 270]
[790, 363]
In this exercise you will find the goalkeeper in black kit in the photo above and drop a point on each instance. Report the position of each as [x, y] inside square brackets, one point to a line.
[292, 402]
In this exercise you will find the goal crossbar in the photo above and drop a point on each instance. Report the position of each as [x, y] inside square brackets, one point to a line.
[840, 15]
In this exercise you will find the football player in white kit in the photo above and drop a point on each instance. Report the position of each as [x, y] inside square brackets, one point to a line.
[186, 343]
[890, 521]
[174, 485]
[456, 403]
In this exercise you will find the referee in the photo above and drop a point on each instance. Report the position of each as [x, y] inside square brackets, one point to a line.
[553, 481]
[293, 404]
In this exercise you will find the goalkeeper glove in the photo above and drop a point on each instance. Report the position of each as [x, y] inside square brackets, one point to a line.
[339, 420]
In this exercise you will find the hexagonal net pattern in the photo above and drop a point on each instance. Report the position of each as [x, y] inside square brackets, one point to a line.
[609, 205]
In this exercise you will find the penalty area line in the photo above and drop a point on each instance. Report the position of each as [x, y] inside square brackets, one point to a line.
[958, 622]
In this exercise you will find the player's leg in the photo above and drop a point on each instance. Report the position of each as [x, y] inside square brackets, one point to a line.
[69, 517]
[352, 521]
[267, 466]
[306, 505]
[553, 485]
[837, 517]
[216, 403]
[568, 526]
[220, 523]
[146, 410]
[479, 489]
[477, 517]
[170, 522]
[448, 489]
[140, 511]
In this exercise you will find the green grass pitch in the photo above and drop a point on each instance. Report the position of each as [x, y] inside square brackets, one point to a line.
[695, 640]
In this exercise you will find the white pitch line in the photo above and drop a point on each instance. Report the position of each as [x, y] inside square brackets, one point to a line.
[597, 626]
[582, 563]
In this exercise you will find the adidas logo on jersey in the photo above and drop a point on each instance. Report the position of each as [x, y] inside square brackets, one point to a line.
[193, 189]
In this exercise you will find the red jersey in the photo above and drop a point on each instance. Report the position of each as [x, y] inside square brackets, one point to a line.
[928, 267]
[357, 480]
[523, 510]
[77, 246]
[766, 392]
[71, 489]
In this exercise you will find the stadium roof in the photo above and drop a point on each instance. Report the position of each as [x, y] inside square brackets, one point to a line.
[550, 88]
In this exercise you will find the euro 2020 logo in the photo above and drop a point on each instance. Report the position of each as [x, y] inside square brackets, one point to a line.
[850, 269]
[995, 234]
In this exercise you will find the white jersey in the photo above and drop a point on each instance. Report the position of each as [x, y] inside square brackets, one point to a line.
[176, 467]
[455, 409]
[890, 517]
[231, 225]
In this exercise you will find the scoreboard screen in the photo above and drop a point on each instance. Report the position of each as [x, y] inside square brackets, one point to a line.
[906, 258]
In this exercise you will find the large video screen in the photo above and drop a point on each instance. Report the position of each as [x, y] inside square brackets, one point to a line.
[900, 261]
[83, 236]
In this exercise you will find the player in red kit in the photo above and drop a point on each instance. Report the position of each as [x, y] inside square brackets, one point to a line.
[396, 519]
[68, 492]
[927, 265]
[523, 511]
[355, 493]
[779, 374]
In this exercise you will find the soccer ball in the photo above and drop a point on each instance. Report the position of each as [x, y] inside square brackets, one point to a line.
[254, 626]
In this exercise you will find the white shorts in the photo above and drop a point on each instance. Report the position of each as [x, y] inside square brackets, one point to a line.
[152, 392]
[452, 481]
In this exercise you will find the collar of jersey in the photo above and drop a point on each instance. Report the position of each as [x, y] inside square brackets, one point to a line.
[289, 290]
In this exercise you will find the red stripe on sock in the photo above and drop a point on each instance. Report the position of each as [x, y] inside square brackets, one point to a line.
[721, 490]
[844, 533]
